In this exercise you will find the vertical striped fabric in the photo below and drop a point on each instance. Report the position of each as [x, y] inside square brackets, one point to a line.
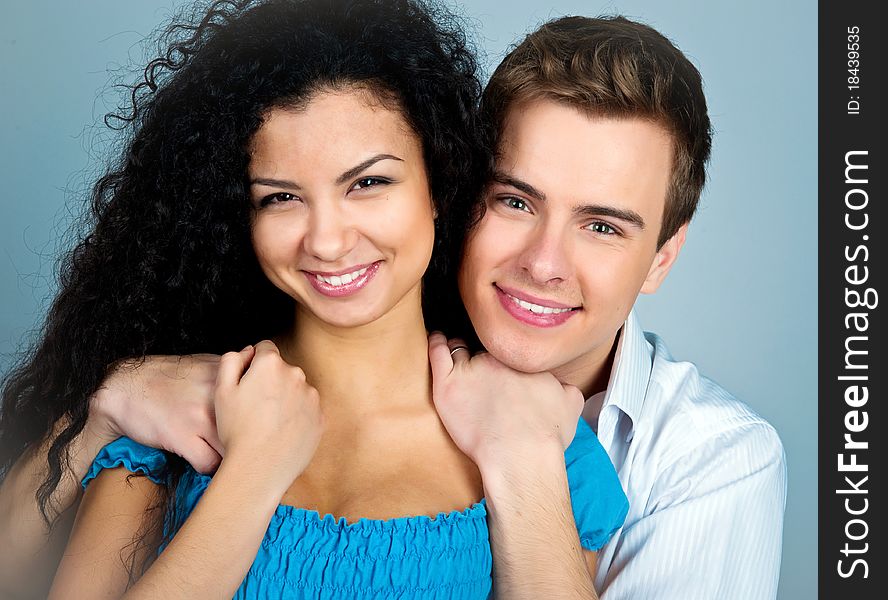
[705, 477]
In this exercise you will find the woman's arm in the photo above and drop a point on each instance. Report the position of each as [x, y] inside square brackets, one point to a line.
[270, 424]
[164, 401]
[113, 514]
[207, 558]
[29, 549]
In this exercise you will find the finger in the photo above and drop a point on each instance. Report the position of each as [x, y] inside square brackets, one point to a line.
[211, 437]
[233, 365]
[459, 352]
[207, 358]
[208, 365]
[576, 397]
[439, 356]
[267, 347]
[201, 456]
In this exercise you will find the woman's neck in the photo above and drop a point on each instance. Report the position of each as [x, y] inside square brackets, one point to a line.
[369, 369]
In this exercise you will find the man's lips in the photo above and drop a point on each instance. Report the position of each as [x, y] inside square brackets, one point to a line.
[534, 300]
[532, 310]
[345, 282]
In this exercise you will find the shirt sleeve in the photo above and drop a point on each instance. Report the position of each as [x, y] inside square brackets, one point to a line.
[713, 528]
[596, 496]
[124, 452]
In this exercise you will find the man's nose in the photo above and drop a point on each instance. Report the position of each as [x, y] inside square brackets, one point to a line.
[547, 256]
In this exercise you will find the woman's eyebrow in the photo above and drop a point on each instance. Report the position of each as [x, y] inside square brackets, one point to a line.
[282, 183]
[354, 171]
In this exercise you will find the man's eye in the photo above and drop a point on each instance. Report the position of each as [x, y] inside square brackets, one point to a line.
[277, 198]
[516, 203]
[604, 228]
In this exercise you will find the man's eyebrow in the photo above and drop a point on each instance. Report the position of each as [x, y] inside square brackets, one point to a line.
[506, 179]
[588, 210]
[354, 171]
[598, 210]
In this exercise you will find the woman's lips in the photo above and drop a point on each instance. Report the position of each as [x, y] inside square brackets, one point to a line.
[533, 311]
[344, 283]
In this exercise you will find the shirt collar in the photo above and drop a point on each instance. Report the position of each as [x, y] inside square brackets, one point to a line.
[631, 371]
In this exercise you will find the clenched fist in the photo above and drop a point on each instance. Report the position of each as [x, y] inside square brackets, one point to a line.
[498, 416]
[267, 414]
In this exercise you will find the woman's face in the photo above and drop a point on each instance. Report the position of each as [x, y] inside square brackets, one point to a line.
[344, 216]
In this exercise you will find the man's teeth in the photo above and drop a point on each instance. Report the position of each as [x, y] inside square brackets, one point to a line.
[536, 308]
[338, 280]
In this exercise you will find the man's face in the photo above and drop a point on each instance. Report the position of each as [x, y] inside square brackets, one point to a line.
[569, 238]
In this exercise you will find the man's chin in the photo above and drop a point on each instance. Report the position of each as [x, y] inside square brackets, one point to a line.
[520, 357]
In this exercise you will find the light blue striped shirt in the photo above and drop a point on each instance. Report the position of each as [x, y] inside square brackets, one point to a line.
[705, 477]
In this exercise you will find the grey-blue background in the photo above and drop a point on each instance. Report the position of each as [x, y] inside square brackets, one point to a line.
[741, 302]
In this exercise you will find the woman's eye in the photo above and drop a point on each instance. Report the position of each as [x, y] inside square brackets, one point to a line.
[516, 203]
[599, 227]
[277, 198]
[367, 182]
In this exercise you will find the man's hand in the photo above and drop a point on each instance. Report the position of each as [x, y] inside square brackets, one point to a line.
[516, 427]
[497, 416]
[164, 402]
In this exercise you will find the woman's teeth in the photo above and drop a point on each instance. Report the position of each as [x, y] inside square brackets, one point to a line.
[338, 280]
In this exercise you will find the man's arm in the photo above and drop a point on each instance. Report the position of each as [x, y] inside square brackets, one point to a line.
[715, 525]
[533, 536]
[516, 427]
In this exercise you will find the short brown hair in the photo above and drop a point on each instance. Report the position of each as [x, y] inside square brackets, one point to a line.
[614, 67]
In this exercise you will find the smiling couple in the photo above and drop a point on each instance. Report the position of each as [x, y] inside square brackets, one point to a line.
[290, 181]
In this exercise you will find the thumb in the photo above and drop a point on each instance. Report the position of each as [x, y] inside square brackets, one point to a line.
[232, 367]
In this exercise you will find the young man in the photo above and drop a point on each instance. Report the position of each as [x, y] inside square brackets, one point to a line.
[602, 139]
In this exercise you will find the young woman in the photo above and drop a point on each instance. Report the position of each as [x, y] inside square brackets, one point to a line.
[293, 169]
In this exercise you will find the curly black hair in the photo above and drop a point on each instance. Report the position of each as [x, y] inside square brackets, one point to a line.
[167, 266]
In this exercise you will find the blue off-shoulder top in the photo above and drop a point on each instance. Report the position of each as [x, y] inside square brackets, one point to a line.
[304, 555]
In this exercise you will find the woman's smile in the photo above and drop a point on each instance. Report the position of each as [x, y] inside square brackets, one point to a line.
[343, 283]
[343, 220]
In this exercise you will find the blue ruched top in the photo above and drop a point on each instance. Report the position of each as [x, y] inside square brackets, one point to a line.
[304, 555]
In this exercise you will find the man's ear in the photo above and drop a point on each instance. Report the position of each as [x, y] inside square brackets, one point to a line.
[663, 261]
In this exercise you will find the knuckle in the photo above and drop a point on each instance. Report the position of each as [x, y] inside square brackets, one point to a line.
[486, 360]
[214, 461]
[575, 393]
[228, 357]
[266, 346]
[311, 396]
[203, 415]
